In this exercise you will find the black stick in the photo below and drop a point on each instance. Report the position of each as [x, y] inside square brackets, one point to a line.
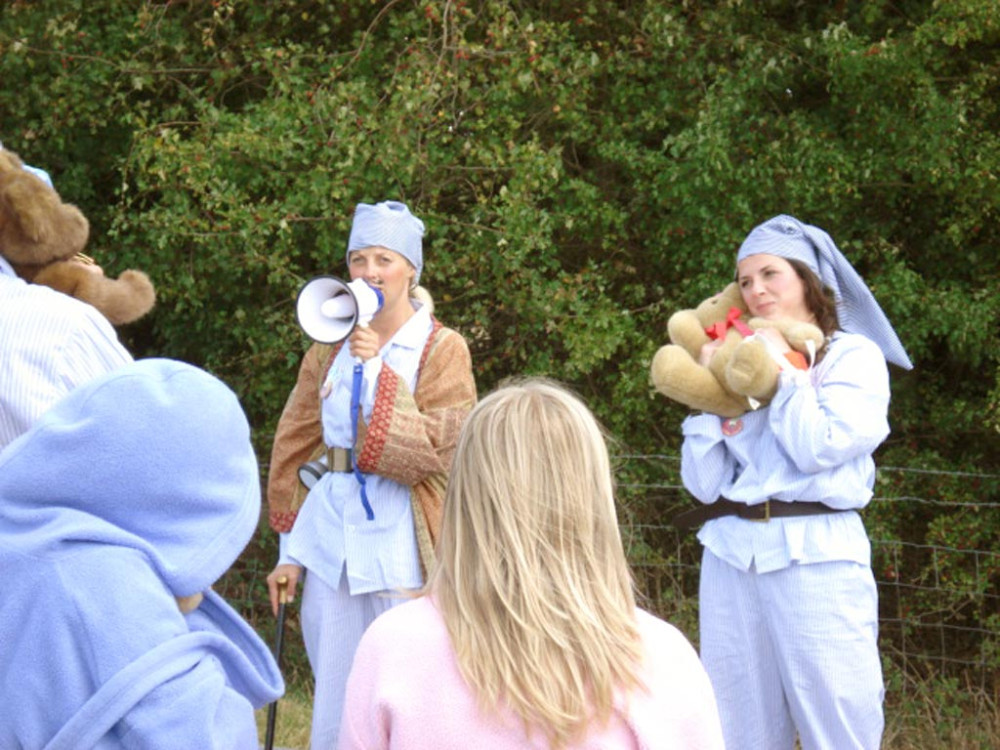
[272, 709]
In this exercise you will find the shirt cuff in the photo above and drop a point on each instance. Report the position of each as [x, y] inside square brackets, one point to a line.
[283, 557]
[794, 379]
[702, 424]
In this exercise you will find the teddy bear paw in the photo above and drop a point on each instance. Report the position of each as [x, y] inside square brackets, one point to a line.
[751, 372]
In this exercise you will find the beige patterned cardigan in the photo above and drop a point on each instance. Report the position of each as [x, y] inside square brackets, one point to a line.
[410, 439]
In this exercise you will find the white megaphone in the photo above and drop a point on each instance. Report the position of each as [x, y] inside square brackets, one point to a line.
[328, 309]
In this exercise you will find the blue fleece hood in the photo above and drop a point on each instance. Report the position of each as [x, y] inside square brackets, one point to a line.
[136, 488]
[155, 456]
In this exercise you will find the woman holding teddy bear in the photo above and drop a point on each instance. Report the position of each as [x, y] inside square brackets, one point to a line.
[788, 602]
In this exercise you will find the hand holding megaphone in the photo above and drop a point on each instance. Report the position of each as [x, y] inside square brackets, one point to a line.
[364, 343]
[329, 309]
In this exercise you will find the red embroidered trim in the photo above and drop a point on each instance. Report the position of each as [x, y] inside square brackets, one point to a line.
[385, 399]
[282, 521]
[436, 325]
[378, 426]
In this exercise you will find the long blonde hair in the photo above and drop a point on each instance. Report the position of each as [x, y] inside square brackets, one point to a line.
[532, 579]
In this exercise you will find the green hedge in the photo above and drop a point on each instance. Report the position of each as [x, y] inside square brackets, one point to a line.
[583, 169]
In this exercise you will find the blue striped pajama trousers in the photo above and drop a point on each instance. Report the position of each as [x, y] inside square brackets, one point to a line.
[793, 651]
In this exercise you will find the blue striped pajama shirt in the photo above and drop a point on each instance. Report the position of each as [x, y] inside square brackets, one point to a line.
[49, 344]
[789, 607]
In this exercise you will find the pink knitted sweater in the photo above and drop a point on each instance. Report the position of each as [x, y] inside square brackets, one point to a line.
[405, 691]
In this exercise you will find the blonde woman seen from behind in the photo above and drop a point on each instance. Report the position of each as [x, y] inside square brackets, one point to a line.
[528, 635]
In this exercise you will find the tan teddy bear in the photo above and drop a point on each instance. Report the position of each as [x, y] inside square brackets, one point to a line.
[742, 374]
[42, 238]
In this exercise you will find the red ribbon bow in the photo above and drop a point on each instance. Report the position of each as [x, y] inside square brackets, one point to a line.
[718, 330]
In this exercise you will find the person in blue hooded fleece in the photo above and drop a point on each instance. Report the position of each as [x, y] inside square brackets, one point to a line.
[119, 509]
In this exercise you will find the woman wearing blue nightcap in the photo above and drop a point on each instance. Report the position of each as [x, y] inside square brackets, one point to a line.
[362, 543]
[788, 602]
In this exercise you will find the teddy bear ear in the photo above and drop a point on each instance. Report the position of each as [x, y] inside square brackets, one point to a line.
[733, 296]
[36, 227]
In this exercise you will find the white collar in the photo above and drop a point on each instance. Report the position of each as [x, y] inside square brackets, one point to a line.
[413, 333]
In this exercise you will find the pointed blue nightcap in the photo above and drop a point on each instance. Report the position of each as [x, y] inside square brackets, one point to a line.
[858, 312]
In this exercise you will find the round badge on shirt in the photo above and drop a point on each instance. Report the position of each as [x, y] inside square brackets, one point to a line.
[731, 427]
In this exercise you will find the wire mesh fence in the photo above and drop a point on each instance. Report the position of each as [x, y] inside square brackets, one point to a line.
[935, 553]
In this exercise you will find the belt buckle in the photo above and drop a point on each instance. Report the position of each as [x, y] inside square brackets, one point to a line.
[339, 459]
[767, 513]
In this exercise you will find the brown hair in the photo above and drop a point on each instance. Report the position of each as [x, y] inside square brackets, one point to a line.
[818, 297]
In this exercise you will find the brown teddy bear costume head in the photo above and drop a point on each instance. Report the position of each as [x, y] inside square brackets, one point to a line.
[42, 239]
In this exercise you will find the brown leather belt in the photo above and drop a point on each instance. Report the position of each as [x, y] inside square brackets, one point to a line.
[338, 459]
[764, 511]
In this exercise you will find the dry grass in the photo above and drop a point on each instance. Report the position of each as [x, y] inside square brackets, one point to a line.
[292, 720]
[923, 723]
[943, 717]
